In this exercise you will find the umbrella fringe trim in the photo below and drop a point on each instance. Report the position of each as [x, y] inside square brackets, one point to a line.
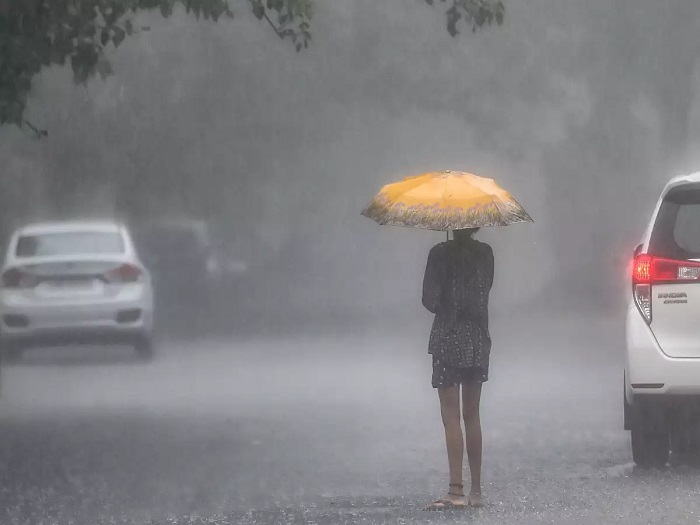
[432, 217]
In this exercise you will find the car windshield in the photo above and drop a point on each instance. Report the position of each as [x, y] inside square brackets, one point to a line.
[676, 233]
[69, 243]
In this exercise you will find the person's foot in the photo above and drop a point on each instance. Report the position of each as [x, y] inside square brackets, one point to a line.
[451, 500]
[475, 499]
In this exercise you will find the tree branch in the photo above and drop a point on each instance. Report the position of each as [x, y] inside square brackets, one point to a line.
[40, 133]
[272, 25]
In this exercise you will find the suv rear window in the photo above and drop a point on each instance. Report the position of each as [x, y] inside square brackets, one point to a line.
[73, 243]
[676, 233]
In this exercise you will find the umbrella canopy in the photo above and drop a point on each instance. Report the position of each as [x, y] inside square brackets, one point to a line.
[445, 201]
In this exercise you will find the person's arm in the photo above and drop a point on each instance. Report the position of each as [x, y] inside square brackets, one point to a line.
[432, 282]
[489, 268]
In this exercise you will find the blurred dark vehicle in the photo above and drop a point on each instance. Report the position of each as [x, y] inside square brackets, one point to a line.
[194, 274]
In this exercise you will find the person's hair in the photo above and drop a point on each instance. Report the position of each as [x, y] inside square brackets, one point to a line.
[465, 234]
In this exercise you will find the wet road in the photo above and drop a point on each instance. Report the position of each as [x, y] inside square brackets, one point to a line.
[335, 430]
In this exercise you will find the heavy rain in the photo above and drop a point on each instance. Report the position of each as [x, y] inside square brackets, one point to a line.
[286, 377]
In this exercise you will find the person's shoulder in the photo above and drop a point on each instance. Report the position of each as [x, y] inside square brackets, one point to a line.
[442, 251]
[439, 248]
[483, 247]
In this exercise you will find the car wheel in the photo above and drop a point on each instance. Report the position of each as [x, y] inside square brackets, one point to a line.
[144, 349]
[685, 448]
[650, 449]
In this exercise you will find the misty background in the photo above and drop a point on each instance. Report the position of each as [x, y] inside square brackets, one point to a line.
[319, 407]
[582, 110]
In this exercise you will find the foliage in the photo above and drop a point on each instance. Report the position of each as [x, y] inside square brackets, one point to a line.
[478, 13]
[39, 33]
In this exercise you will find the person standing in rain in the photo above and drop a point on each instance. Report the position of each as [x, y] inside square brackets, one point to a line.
[456, 287]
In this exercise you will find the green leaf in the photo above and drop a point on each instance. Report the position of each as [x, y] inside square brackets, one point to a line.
[258, 10]
[166, 9]
[80, 73]
[276, 5]
[453, 16]
[104, 68]
[119, 35]
[499, 16]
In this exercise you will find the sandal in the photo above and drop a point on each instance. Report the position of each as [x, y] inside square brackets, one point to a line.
[445, 503]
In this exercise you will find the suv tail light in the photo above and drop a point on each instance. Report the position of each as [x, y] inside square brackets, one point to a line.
[18, 278]
[649, 270]
[126, 273]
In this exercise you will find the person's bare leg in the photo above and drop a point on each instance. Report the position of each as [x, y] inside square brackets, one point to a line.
[449, 409]
[471, 398]
[450, 412]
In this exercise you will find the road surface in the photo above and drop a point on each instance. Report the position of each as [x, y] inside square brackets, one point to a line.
[323, 430]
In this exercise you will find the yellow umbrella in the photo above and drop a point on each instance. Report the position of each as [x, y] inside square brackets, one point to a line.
[445, 201]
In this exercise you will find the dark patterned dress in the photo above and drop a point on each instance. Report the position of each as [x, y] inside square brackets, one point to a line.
[458, 279]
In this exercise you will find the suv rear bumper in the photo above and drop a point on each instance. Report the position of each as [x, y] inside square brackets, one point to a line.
[650, 372]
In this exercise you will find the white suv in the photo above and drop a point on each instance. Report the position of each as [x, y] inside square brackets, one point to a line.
[74, 282]
[662, 365]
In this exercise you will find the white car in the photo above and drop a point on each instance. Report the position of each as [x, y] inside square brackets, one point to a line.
[662, 365]
[74, 282]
